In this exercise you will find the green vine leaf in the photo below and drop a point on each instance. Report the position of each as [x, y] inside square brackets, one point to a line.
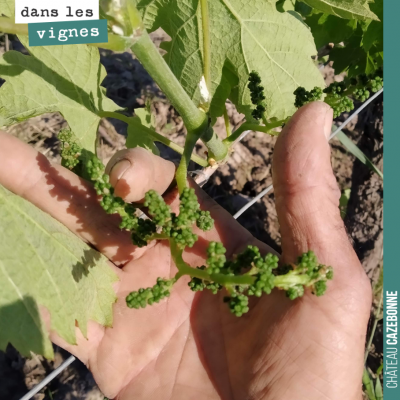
[373, 36]
[7, 7]
[327, 28]
[244, 36]
[43, 264]
[59, 78]
[354, 58]
[285, 5]
[362, 49]
[139, 139]
[354, 9]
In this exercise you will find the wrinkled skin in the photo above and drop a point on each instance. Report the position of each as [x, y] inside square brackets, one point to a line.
[189, 346]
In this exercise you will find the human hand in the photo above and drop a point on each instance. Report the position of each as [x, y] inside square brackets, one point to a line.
[190, 346]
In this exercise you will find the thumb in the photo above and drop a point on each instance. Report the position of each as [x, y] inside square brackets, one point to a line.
[306, 192]
[133, 172]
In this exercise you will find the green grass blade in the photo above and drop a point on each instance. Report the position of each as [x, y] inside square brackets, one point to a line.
[353, 149]
[378, 389]
[343, 201]
[369, 387]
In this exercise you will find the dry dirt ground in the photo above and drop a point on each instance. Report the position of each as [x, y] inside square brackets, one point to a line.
[246, 173]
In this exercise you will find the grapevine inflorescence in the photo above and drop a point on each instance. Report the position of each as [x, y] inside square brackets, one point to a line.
[70, 149]
[247, 274]
[257, 95]
[260, 275]
[304, 97]
[338, 94]
[337, 98]
[149, 296]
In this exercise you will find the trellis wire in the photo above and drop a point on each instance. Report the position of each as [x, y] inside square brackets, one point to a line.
[270, 187]
[48, 378]
[372, 98]
[71, 359]
[250, 203]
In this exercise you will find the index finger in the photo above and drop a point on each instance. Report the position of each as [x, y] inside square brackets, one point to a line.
[66, 197]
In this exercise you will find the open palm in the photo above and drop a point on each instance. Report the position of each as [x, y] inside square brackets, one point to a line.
[189, 346]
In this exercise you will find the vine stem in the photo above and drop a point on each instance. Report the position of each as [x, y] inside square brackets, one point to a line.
[148, 54]
[247, 126]
[206, 43]
[186, 269]
[190, 143]
[154, 135]
[217, 149]
[195, 120]
[286, 281]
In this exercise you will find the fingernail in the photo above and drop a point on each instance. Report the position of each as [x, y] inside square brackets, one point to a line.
[118, 170]
[328, 122]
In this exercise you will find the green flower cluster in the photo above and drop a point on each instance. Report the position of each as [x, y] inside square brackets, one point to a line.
[247, 274]
[261, 275]
[238, 304]
[303, 96]
[337, 98]
[307, 273]
[198, 285]
[372, 82]
[361, 94]
[216, 259]
[143, 232]
[70, 149]
[376, 84]
[157, 208]
[93, 169]
[149, 296]
[337, 94]
[257, 95]
[204, 220]
[179, 227]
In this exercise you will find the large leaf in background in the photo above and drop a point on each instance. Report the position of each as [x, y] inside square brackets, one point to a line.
[330, 29]
[353, 58]
[58, 78]
[374, 33]
[7, 7]
[373, 37]
[245, 36]
[43, 264]
[354, 9]
[362, 52]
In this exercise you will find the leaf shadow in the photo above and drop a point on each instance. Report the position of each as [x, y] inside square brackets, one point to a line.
[19, 326]
[81, 269]
[90, 220]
